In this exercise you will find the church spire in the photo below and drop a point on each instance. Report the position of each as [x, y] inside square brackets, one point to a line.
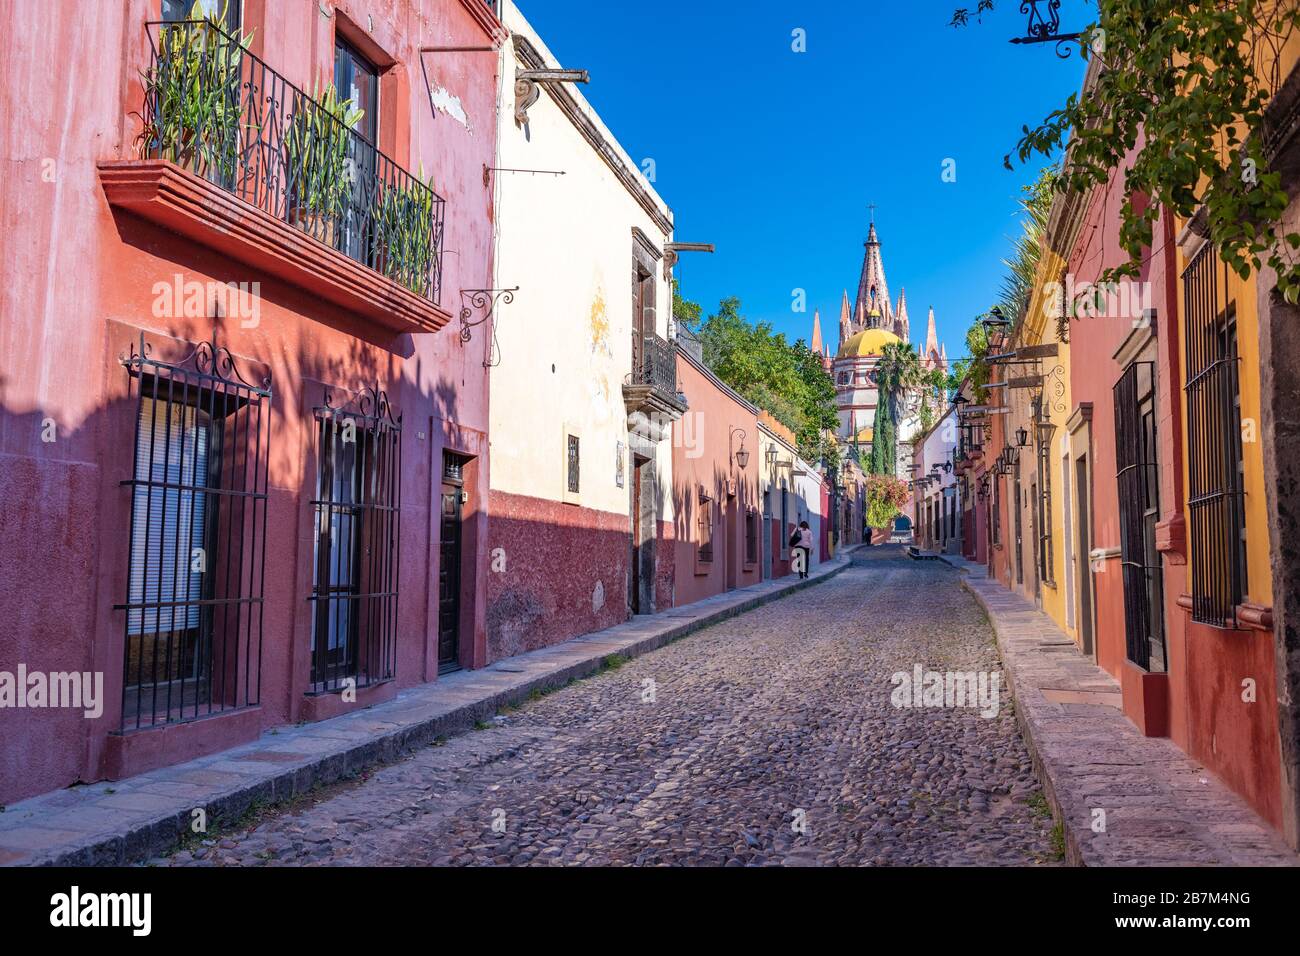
[846, 320]
[901, 327]
[816, 345]
[932, 357]
[873, 291]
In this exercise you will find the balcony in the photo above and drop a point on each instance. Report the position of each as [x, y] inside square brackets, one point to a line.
[239, 159]
[651, 387]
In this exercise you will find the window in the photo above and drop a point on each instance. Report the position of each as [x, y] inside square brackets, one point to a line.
[705, 552]
[1215, 501]
[751, 536]
[357, 509]
[174, 10]
[995, 521]
[573, 465]
[1139, 509]
[193, 634]
[356, 79]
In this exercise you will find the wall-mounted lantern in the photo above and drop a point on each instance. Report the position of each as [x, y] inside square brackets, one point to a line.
[741, 456]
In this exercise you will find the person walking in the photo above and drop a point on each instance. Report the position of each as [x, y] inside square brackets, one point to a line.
[804, 542]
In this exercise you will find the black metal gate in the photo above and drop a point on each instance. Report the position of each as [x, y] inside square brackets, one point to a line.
[1215, 499]
[1139, 505]
[357, 508]
[197, 543]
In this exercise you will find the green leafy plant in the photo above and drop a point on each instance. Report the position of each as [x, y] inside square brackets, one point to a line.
[317, 146]
[785, 379]
[886, 495]
[404, 217]
[193, 109]
[1178, 106]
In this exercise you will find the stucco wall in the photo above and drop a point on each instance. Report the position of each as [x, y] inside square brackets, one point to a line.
[560, 353]
[81, 288]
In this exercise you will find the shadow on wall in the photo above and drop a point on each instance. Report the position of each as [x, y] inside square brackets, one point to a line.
[65, 528]
[559, 570]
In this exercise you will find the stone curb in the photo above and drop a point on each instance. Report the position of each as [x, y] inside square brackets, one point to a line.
[1215, 827]
[128, 821]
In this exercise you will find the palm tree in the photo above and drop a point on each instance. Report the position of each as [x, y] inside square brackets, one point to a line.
[899, 368]
[1022, 267]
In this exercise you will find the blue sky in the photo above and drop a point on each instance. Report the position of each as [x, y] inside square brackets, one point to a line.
[774, 155]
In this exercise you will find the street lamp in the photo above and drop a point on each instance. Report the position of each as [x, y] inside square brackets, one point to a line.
[1022, 436]
[741, 456]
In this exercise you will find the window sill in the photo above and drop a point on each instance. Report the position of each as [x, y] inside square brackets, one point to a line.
[168, 196]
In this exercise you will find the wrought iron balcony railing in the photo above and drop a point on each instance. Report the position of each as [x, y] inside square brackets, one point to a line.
[657, 366]
[214, 108]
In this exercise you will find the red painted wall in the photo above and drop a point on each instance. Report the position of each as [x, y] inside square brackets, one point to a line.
[1205, 666]
[562, 571]
[80, 289]
[715, 471]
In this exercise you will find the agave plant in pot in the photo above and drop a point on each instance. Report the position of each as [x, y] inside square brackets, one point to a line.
[193, 108]
[405, 241]
[319, 162]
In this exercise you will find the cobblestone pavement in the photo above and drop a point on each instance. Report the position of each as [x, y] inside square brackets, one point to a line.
[713, 751]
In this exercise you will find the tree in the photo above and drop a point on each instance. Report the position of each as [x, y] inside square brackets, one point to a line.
[899, 368]
[785, 379]
[1189, 80]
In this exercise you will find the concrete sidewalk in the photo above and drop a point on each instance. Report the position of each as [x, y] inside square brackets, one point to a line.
[132, 820]
[1158, 806]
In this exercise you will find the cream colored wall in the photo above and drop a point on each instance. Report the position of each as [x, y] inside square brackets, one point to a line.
[566, 242]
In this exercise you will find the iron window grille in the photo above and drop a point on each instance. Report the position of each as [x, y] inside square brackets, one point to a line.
[216, 109]
[192, 644]
[1046, 553]
[1216, 500]
[1139, 510]
[751, 536]
[995, 522]
[357, 509]
[573, 465]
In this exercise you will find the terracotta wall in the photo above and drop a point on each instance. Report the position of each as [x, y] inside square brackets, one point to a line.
[710, 468]
[82, 288]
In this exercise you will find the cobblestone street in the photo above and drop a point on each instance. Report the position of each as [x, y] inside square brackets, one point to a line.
[767, 739]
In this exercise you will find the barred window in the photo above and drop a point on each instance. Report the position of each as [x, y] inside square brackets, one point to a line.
[193, 636]
[1139, 510]
[751, 536]
[996, 521]
[573, 464]
[1216, 501]
[357, 510]
[1046, 556]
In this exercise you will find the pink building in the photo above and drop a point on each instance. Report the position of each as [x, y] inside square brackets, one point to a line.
[246, 462]
[715, 487]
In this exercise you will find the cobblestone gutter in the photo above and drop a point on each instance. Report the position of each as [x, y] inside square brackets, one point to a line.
[1122, 799]
[133, 820]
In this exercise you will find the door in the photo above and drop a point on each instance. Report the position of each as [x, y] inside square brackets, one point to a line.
[634, 568]
[732, 531]
[1020, 550]
[449, 581]
[1083, 547]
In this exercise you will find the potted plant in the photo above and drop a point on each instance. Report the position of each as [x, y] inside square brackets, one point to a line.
[193, 108]
[404, 221]
[319, 162]
[886, 495]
